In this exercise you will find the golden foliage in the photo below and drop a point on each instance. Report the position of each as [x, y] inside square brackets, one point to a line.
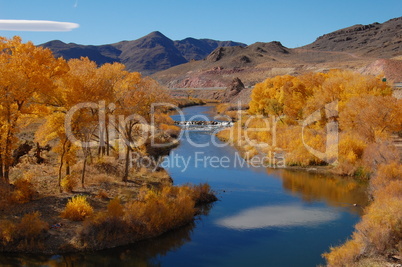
[380, 231]
[77, 209]
[27, 76]
[159, 211]
[23, 192]
[152, 213]
[367, 114]
[297, 97]
[69, 182]
[386, 174]
[344, 255]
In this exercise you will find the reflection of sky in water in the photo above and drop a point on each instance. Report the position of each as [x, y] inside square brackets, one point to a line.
[278, 216]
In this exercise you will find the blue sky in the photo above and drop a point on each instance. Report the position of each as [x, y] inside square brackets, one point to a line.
[292, 22]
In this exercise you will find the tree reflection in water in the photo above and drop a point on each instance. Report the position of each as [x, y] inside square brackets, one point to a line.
[336, 191]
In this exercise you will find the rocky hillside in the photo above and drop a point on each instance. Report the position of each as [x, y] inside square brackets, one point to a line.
[373, 40]
[391, 68]
[151, 53]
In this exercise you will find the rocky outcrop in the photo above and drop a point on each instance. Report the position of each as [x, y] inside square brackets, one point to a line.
[388, 68]
[233, 90]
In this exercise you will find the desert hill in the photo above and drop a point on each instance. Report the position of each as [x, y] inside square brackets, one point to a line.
[374, 40]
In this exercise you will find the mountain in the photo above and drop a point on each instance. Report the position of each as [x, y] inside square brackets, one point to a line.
[196, 49]
[354, 48]
[151, 53]
[372, 40]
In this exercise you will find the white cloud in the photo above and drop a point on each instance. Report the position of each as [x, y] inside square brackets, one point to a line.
[277, 216]
[36, 25]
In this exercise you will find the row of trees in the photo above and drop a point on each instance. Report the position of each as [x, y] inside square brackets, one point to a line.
[366, 112]
[78, 99]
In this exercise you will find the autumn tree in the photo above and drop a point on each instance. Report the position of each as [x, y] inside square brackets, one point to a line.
[134, 99]
[78, 119]
[27, 75]
[372, 117]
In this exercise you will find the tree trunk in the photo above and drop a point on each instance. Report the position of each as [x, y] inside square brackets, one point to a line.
[107, 143]
[67, 168]
[8, 156]
[89, 154]
[6, 173]
[127, 164]
[83, 171]
[61, 164]
[1, 167]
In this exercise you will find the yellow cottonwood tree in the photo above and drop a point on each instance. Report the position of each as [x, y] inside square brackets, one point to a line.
[133, 103]
[27, 75]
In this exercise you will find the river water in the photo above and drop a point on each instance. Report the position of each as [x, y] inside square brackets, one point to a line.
[264, 217]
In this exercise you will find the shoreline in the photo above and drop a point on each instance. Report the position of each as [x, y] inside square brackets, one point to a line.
[63, 236]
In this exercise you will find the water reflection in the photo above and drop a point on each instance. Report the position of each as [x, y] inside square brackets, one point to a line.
[335, 191]
[278, 216]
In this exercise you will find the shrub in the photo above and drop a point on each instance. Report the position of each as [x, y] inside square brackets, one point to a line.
[30, 227]
[385, 174]
[202, 193]
[24, 191]
[344, 255]
[152, 213]
[69, 182]
[115, 208]
[77, 209]
[160, 210]
[102, 230]
[380, 153]
[24, 234]
[379, 233]
[381, 226]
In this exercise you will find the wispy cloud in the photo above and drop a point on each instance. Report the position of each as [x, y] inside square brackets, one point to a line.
[36, 25]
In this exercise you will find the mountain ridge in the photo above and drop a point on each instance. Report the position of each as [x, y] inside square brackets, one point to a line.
[353, 48]
[148, 54]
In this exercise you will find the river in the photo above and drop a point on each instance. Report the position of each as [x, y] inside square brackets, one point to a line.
[264, 217]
